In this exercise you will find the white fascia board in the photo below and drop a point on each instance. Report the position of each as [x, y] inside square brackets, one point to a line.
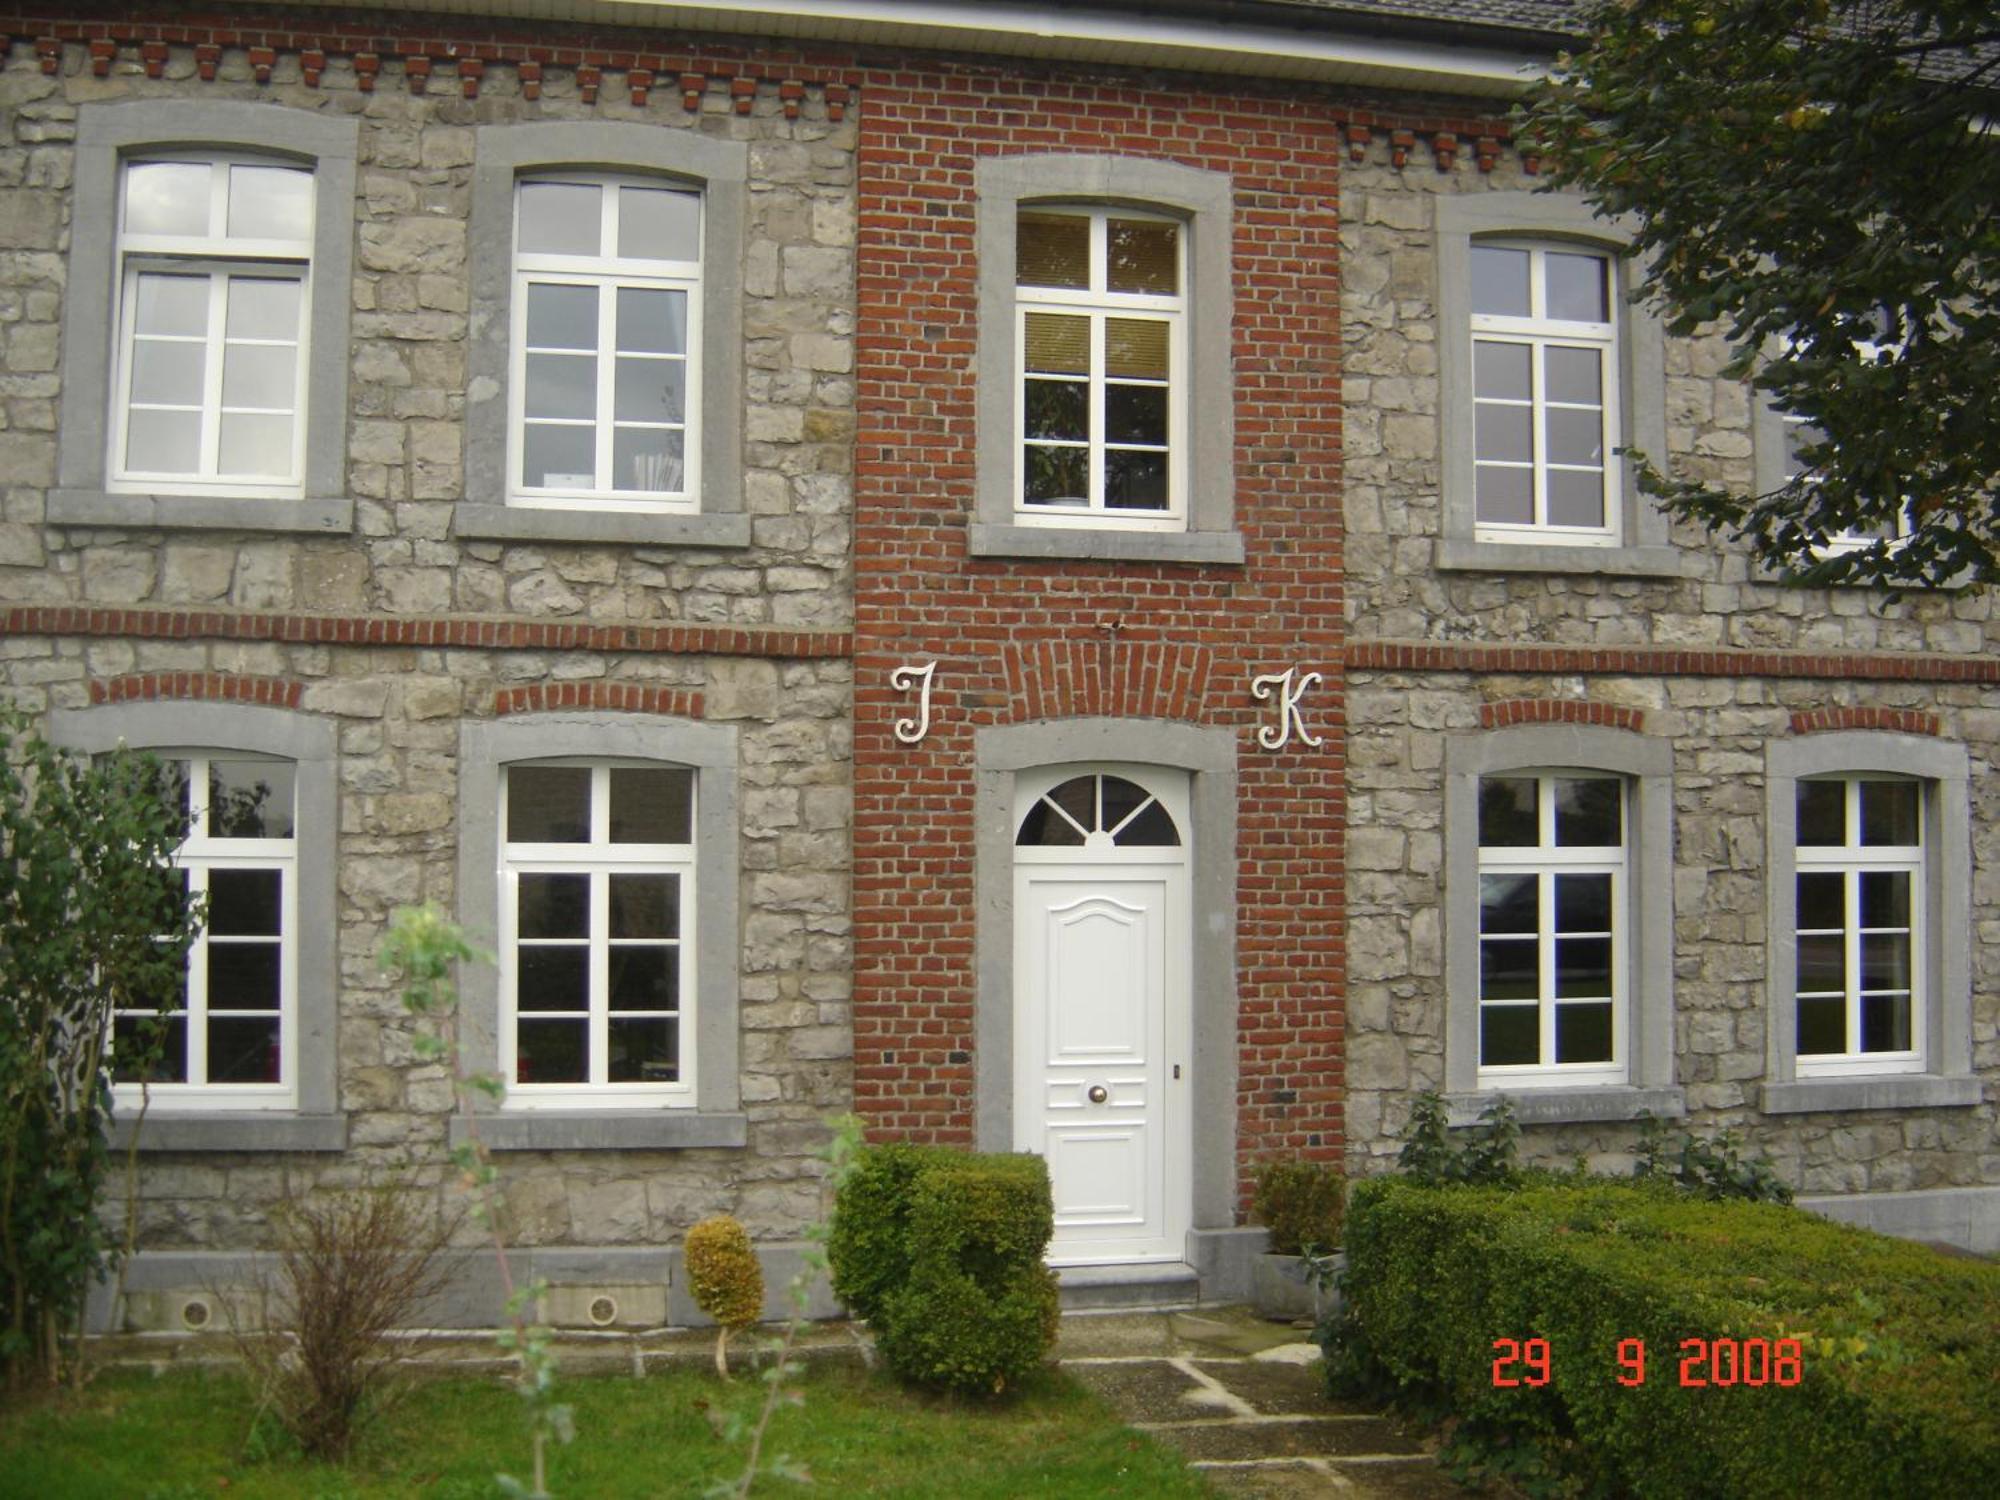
[1054, 32]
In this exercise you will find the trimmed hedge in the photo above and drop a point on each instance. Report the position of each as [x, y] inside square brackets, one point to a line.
[1900, 1387]
[941, 1251]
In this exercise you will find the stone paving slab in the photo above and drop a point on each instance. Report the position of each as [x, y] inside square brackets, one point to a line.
[1153, 1390]
[1273, 1389]
[1304, 1437]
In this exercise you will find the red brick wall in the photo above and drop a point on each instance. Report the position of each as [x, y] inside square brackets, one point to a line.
[1019, 640]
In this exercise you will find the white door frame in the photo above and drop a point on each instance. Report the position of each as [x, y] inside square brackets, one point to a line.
[1148, 1087]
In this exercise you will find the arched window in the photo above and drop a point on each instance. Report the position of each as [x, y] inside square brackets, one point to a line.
[1098, 811]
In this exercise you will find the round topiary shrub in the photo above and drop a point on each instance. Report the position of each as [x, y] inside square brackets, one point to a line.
[725, 1278]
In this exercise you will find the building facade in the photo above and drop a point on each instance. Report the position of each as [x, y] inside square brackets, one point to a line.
[1064, 593]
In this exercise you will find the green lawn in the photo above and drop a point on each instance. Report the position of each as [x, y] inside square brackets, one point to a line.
[187, 1436]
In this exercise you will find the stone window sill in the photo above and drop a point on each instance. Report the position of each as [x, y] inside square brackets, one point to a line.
[507, 523]
[1909, 1091]
[1459, 554]
[323, 516]
[1584, 1106]
[243, 1130]
[606, 1130]
[1107, 545]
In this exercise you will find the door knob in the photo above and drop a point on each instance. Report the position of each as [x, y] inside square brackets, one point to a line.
[1098, 1093]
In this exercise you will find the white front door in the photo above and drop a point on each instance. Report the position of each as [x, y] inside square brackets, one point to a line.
[1101, 1015]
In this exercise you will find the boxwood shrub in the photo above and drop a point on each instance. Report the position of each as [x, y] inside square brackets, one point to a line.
[942, 1252]
[1898, 1388]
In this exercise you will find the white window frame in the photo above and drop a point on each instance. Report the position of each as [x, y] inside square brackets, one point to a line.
[199, 855]
[223, 259]
[1545, 861]
[1850, 860]
[610, 274]
[1539, 333]
[599, 860]
[1098, 302]
[1781, 430]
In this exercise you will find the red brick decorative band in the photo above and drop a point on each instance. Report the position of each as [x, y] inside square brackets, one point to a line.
[278, 692]
[140, 623]
[1560, 711]
[1060, 679]
[1899, 720]
[624, 697]
[1664, 661]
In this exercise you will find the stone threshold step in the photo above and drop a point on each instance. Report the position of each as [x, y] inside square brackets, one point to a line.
[1166, 1284]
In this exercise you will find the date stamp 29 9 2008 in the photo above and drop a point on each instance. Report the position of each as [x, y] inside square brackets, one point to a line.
[1721, 1362]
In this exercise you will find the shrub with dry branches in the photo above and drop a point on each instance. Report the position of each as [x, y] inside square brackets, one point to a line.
[350, 1269]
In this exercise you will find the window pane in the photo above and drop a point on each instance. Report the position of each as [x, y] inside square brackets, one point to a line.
[1583, 903]
[658, 224]
[1502, 371]
[1135, 348]
[644, 978]
[270, 203]
[1132, 414]
[172, 305]
[1135, 481]
[1058, 409]
[264, 307]
[1822, 965]
[1583, 966]
[149, 1049]
[1151, 829]
[1575, 498]
[171, 374]
[250, 799]
[1573, 375]
[1119, 799]
[1823, 901]
[1045, 828]
[561, 218]
[167, 197]
[652, 805]
[1505, 496]
[253, 444]
[1575, 436]
[259, 375]
[1510, 903]
[1509, 969]
[1885, 961]
[651, 322]
[1145, 257]
[1500, 281]
[553, 906]
[548, 804]
[1885, 898]
[1057, 344]
[1576, 288]
[645, 1052]
[1052, 250]
[1056, 476]
[1822, 814]
[551, 1052]
[561, 385]
[562, 317]
[1503, 434]
[651, 390]
[163, 442]
[244, 903]
[243, 1049]
[1583, 1033]
[245, 976]
[1889, 813]
[553, 978]
[1508, 812]
[1822, 1026]
[1885, 1023]
[559, 458]
[1509, 1036]
[649, 460]
[645, 906]
[1589, 813]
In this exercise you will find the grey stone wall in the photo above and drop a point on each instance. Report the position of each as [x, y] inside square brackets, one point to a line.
[1718, 727]
[399, 709]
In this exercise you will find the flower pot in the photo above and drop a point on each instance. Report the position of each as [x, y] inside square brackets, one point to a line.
[1287, 1287]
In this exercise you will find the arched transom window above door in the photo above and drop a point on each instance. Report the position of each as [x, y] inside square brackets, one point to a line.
[1097, 811]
